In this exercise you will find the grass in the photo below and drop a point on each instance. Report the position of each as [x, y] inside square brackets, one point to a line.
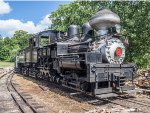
[6, 64]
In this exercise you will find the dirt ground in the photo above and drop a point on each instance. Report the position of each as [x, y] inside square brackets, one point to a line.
[55, 101]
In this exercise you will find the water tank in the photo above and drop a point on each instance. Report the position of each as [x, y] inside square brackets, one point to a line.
[21, 57]
[28, 56]
[104, 18]
[34, 55]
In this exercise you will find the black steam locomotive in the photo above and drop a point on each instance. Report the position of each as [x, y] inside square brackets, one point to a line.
[91, 61]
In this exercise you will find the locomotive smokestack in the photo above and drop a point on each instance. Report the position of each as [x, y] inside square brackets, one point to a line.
[104, 19]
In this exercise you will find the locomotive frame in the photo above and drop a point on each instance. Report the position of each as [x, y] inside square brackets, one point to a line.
[101, 76]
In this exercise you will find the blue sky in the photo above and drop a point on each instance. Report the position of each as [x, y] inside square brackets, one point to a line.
[31, 16]
[31, 10]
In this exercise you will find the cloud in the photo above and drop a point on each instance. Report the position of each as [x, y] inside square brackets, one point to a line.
[4, 7]
[8, 27]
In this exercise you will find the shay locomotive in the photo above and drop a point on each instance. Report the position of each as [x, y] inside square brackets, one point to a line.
[91, 61]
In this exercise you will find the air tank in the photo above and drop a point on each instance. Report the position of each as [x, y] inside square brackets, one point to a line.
[104, 18]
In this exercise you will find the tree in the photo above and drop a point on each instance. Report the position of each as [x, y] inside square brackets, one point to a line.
[21, 38]
[19, 41]
[11, 46]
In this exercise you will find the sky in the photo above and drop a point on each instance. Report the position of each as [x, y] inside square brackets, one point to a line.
[31, 16]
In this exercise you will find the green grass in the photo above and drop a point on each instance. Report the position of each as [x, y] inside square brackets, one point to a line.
[6, 64]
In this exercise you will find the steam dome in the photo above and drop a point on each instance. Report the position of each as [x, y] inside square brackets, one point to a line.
[104, 18]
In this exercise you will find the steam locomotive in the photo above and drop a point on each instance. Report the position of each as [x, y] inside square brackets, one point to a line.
[91, 61]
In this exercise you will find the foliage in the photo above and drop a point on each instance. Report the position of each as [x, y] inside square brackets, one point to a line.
[135, 18]
[11, 46]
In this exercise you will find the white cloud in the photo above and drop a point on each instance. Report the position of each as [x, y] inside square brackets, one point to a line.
[45, 21]
[4, 7]
[8, 27]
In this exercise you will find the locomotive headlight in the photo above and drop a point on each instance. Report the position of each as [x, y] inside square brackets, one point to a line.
[102, 32]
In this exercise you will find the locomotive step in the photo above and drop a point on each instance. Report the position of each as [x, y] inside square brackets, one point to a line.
[122, 79]
[125, 88]
[107, 95]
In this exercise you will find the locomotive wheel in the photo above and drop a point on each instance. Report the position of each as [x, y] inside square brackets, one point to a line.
[85, 86]
[37, 75]
[47, 76]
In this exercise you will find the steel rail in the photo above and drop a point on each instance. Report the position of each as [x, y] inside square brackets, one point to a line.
[21, 108]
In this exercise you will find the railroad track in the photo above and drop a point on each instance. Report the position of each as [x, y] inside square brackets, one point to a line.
[137, 105]
[140, 101]
[6, 103]
[14, 100]
[19, 100]
[4, 73]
